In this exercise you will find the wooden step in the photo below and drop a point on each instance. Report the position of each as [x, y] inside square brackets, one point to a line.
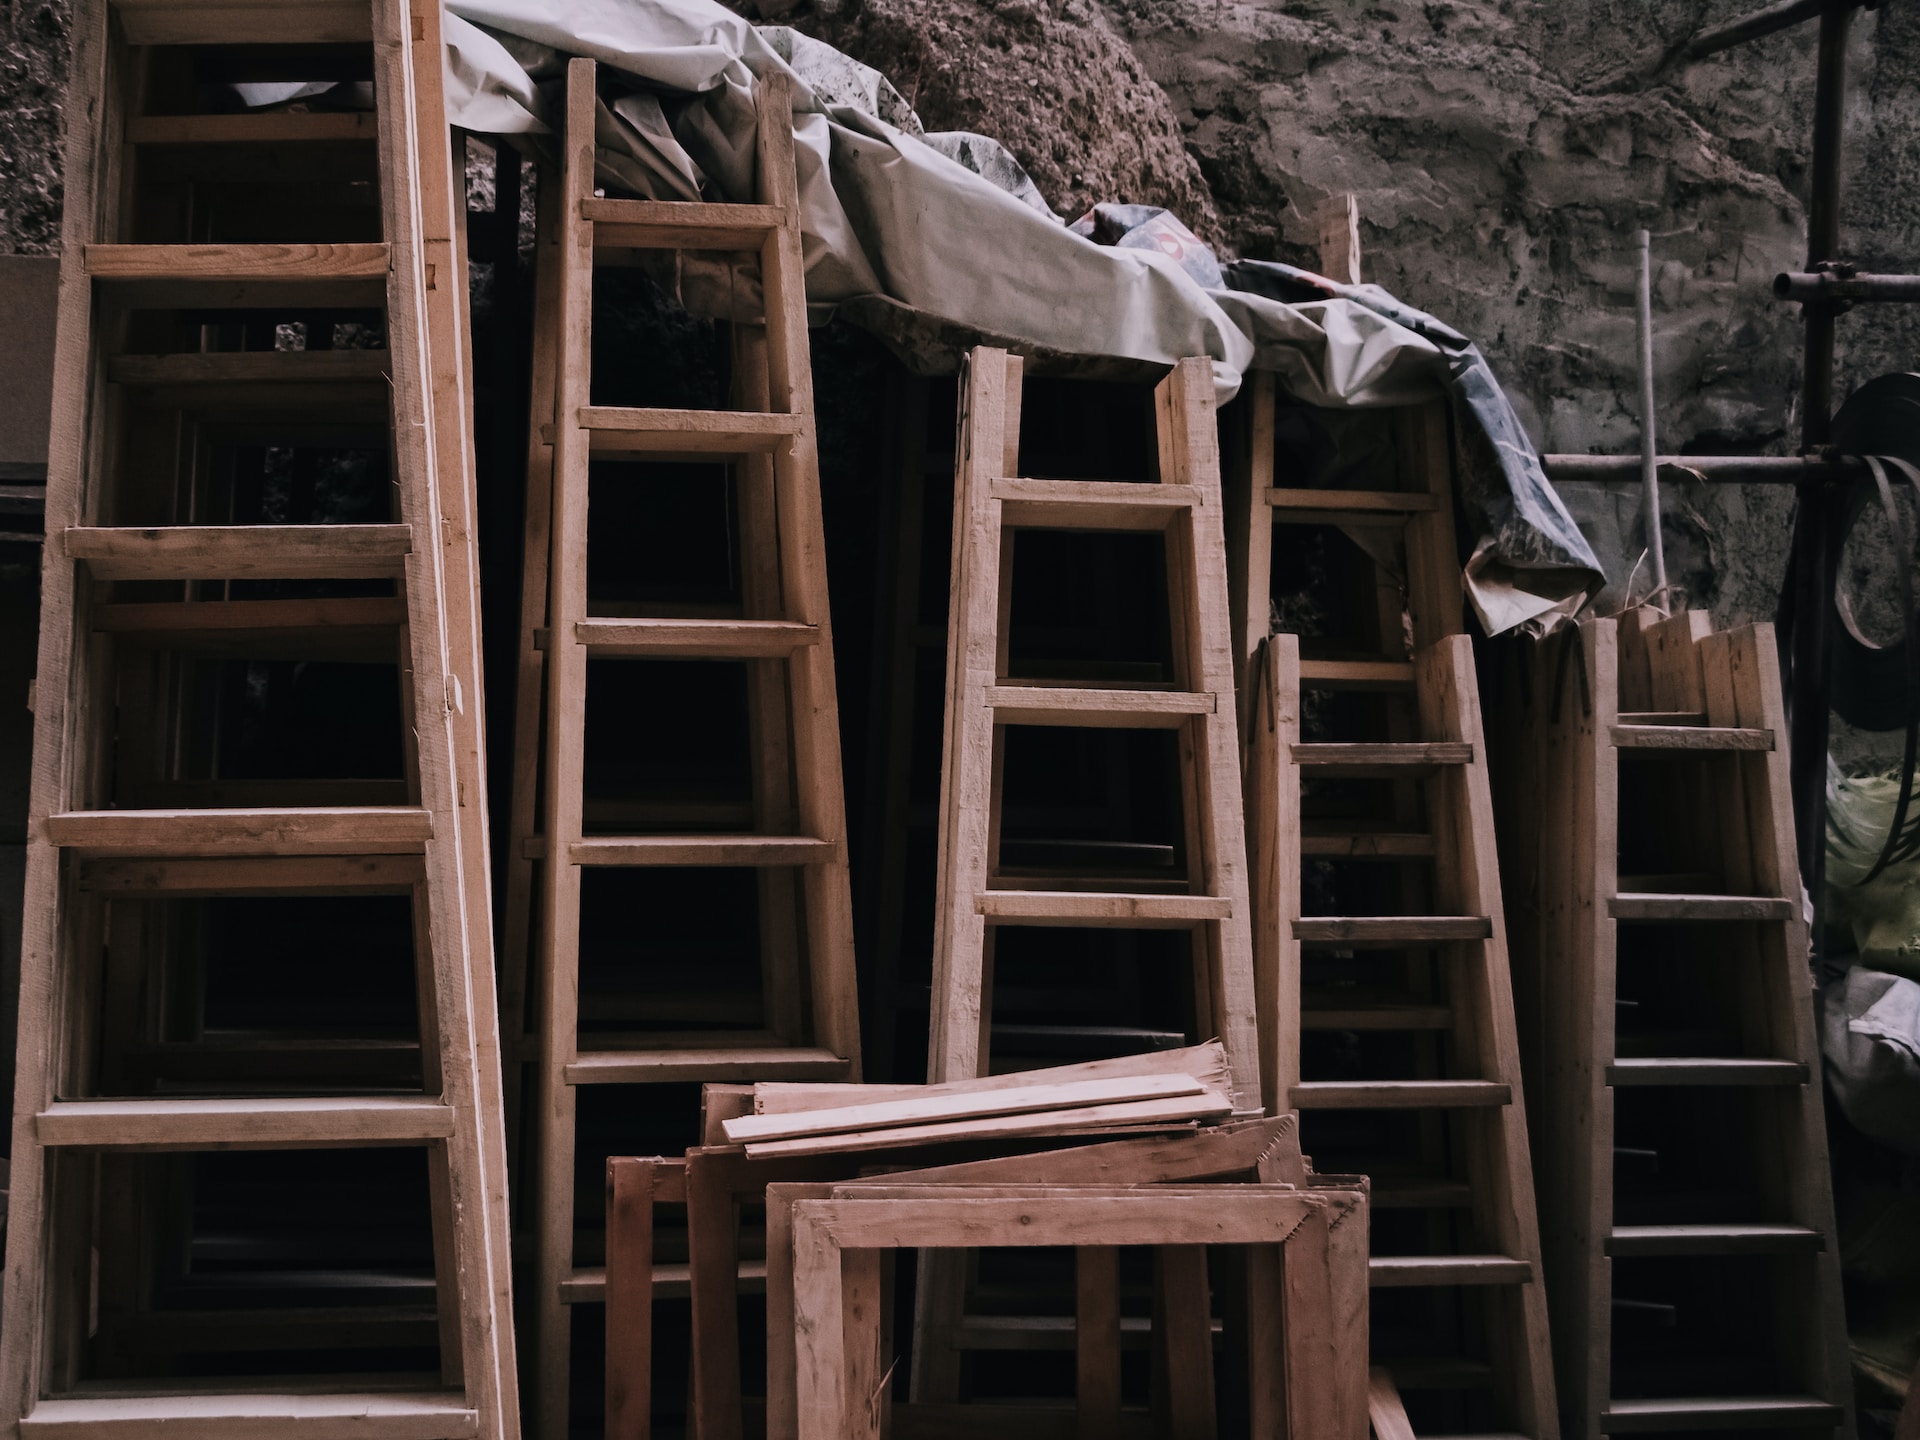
[1377, 931]
[279, 875]
[1366, 845]
[1090, 504]
[341, 830]
[719, 1065]
[1399, 1094]
[1664, 1071]
[588, 1284]
[254, 367]
[237, 262]
[1100, 908]
[241, 552]
[224, 22]
[1097, 709]
[703, 434]
[1356, 674]
[1661, 717]
[1334, 1012]
[696, 639]
[1349, 507]
[1379, 761]
[251, 1122]
[715, 850]
[1390, 1271]
[1690, 737]
[679, 224]
[268, 128]
[1668, 1240]
[377, 1415]
[1703, 908]
[1719, 1412]
[242, 622]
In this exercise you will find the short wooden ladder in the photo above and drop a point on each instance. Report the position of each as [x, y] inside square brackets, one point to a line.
[1676, 1072]
[166, 343]
[811, 1028]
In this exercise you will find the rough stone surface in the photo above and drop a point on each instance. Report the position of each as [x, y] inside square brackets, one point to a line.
[33, 78]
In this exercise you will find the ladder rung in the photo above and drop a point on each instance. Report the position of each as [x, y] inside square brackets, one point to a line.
[345, 830]
[1388, 1016]
[241, 618]
[1667, 1240]
[1098, 709]
[237, 552]
[719, 433]
[272, 128]
[688, 639]
[1691, 737]
[1350, 507]
[222, 22]
[679, 224]
[237, 262]
[1701, 907]
[1100, 908]
[379, 1415]
[1357, 674]
[1090, 504]
[1663, 1071]
[1718, 1412]
[1389, 1271]
[1399, 1094]
[251, 1122]
[718, 850]
[1383, 930]
[1360, 761]
[1420, 1194]
[671, 1281]
[720, 1065]
[276, 875]
[255, 367]
[1367, 845]
[1661, 717]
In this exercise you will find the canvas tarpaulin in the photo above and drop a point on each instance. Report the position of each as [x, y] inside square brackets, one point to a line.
[938, 242]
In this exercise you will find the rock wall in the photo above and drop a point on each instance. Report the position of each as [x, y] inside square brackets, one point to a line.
[33, 78]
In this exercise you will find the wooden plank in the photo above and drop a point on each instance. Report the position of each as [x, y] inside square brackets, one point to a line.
[1398, 1094]
[1382, 675]
[1691, 737]
[243, 22]
[710, 1064]
[978, 1104]
[1091, 504]
[727, 850]
[1347, 760]
[628, 1294]
[1358, 507]
[679, 224]
[1719, 909]
[305, 368]
[356, 830]
[1390, 1271]
[1210, 1104]
[1678, 1240]
[696, 639]
[1707, 1072]
[282, 875]
[237, 262]
[1367, 845]
[1390, 930]
[1096, 709]
[381, 1415]
[1385, 1409]
[183, 618]
[268, 128]
[240, 552]
[718, 433]
[1719, 1412]
[1076, 908]
[1096, 1339]
[243, 1123]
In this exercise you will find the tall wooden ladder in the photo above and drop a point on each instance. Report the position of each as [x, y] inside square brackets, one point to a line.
[811, 1027]
[227, 275]
[1673, 1066]
[1391, 1030]
[976, 893]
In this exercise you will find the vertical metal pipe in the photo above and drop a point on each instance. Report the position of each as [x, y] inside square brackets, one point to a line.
[1807, 694]
[1649, 468]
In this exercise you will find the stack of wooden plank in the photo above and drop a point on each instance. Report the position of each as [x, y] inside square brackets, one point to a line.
[1249, 1295]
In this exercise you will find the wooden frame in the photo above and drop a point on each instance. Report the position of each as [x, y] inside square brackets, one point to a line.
[456, 1121]
[813, 1024]
[1712, 703]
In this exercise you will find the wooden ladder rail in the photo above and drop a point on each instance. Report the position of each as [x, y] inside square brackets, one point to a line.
[77, 843]
[991, 501]
[776, 435]
[1435, 744]
[1713, 702]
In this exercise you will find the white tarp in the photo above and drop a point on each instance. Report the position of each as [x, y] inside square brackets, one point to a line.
[907, 235]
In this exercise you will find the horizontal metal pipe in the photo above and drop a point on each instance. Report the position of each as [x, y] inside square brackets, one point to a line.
[1721, 469]
[1751, 27]
[1807, 287]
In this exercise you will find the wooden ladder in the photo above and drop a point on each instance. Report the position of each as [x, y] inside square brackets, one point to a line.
[812, 1027]
[145, 554]
[1402, 814]
[1673, 1063]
